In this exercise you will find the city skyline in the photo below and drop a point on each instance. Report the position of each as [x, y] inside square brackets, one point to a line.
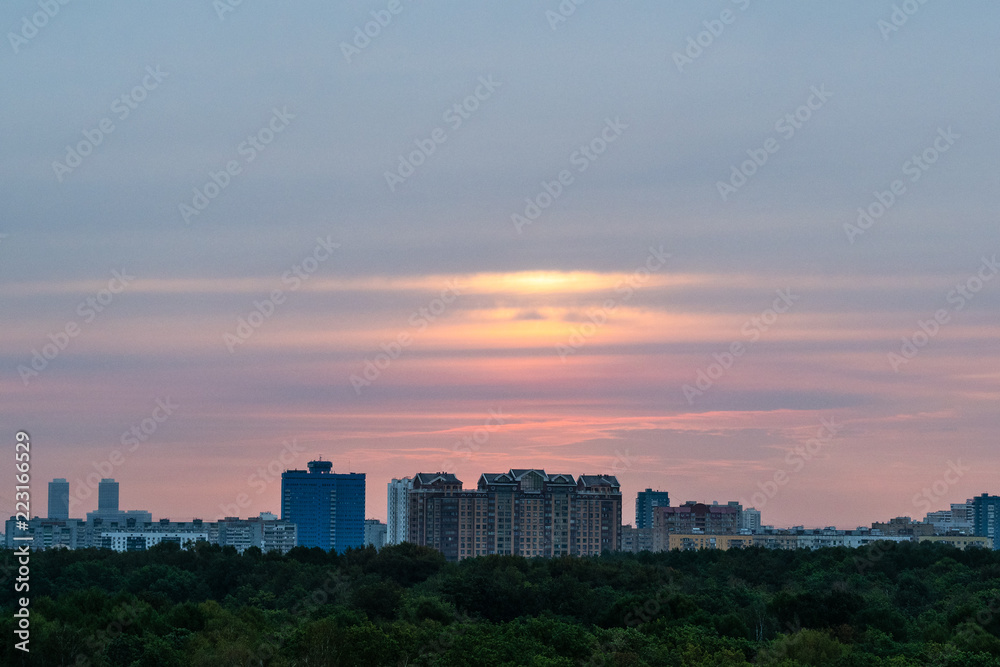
[523, 512]
[405, 483]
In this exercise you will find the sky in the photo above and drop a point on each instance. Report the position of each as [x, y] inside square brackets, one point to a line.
[733, 250]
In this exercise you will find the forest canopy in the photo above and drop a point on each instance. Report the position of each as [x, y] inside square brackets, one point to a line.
[888, 604]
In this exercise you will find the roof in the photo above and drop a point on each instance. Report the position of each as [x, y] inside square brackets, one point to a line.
[599, 480]
[515, 475]
[424, 478]
[496, 478]
[562, 479]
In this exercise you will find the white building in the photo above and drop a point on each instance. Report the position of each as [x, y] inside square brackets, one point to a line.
[750, 520]
[134, 540]
[398, 515]
[277, 535]
[957, 519]
[941, 520]
[266, 532]
[852, 539]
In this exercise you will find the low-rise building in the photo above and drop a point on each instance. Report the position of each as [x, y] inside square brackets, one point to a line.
[797, 538]
[904, 525]
[962, 542]
[120, 518]
[375, 533]
[697, 542]
[48, 533]
[278, 535]
[141, 540]
[635, 540]
[267, 534]
[693, 518]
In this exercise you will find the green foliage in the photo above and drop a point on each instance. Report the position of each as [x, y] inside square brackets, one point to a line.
[898, 605]
[805, 647]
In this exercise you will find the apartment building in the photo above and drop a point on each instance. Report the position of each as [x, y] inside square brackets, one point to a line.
[525, 512]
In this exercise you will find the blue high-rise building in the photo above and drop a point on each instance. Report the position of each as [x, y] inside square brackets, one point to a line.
[59, 499]
[986, 518]
[644, 504]
[328, 508]
[107, 496]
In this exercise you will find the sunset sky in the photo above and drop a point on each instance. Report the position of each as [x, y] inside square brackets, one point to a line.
[669, 241]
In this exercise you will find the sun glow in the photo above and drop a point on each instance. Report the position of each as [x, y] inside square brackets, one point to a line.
[542, 281]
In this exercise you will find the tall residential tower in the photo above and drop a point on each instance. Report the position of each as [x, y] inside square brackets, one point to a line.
[644, 504]
[58, 499]
[107, 496]
[986, 518]
[397, 506]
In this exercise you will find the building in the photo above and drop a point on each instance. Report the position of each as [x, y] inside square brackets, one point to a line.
[66, 533]
[645, 501]
[139, 536]
[434, 512]
[697, 542]
[903, 525]
[48, 534]
[750, 520]
[397, 506]
[963, 517]
[277, 535]
[787, 539]
[962, 542]
[985, 517]
[120, 518]
[555, 515]
[59, 499]
[635, 540]
[524, 512]
[958, 519]
[108, 513]
[59, 531]
[820, 538]
[375, 533]
[597, 510]
[694, 518]
[134, 540]
[941, 520]
[235, 532]
[107, 496]
[327, 508]
[266, 532]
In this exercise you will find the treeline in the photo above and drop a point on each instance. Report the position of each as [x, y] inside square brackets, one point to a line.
[889, 604]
